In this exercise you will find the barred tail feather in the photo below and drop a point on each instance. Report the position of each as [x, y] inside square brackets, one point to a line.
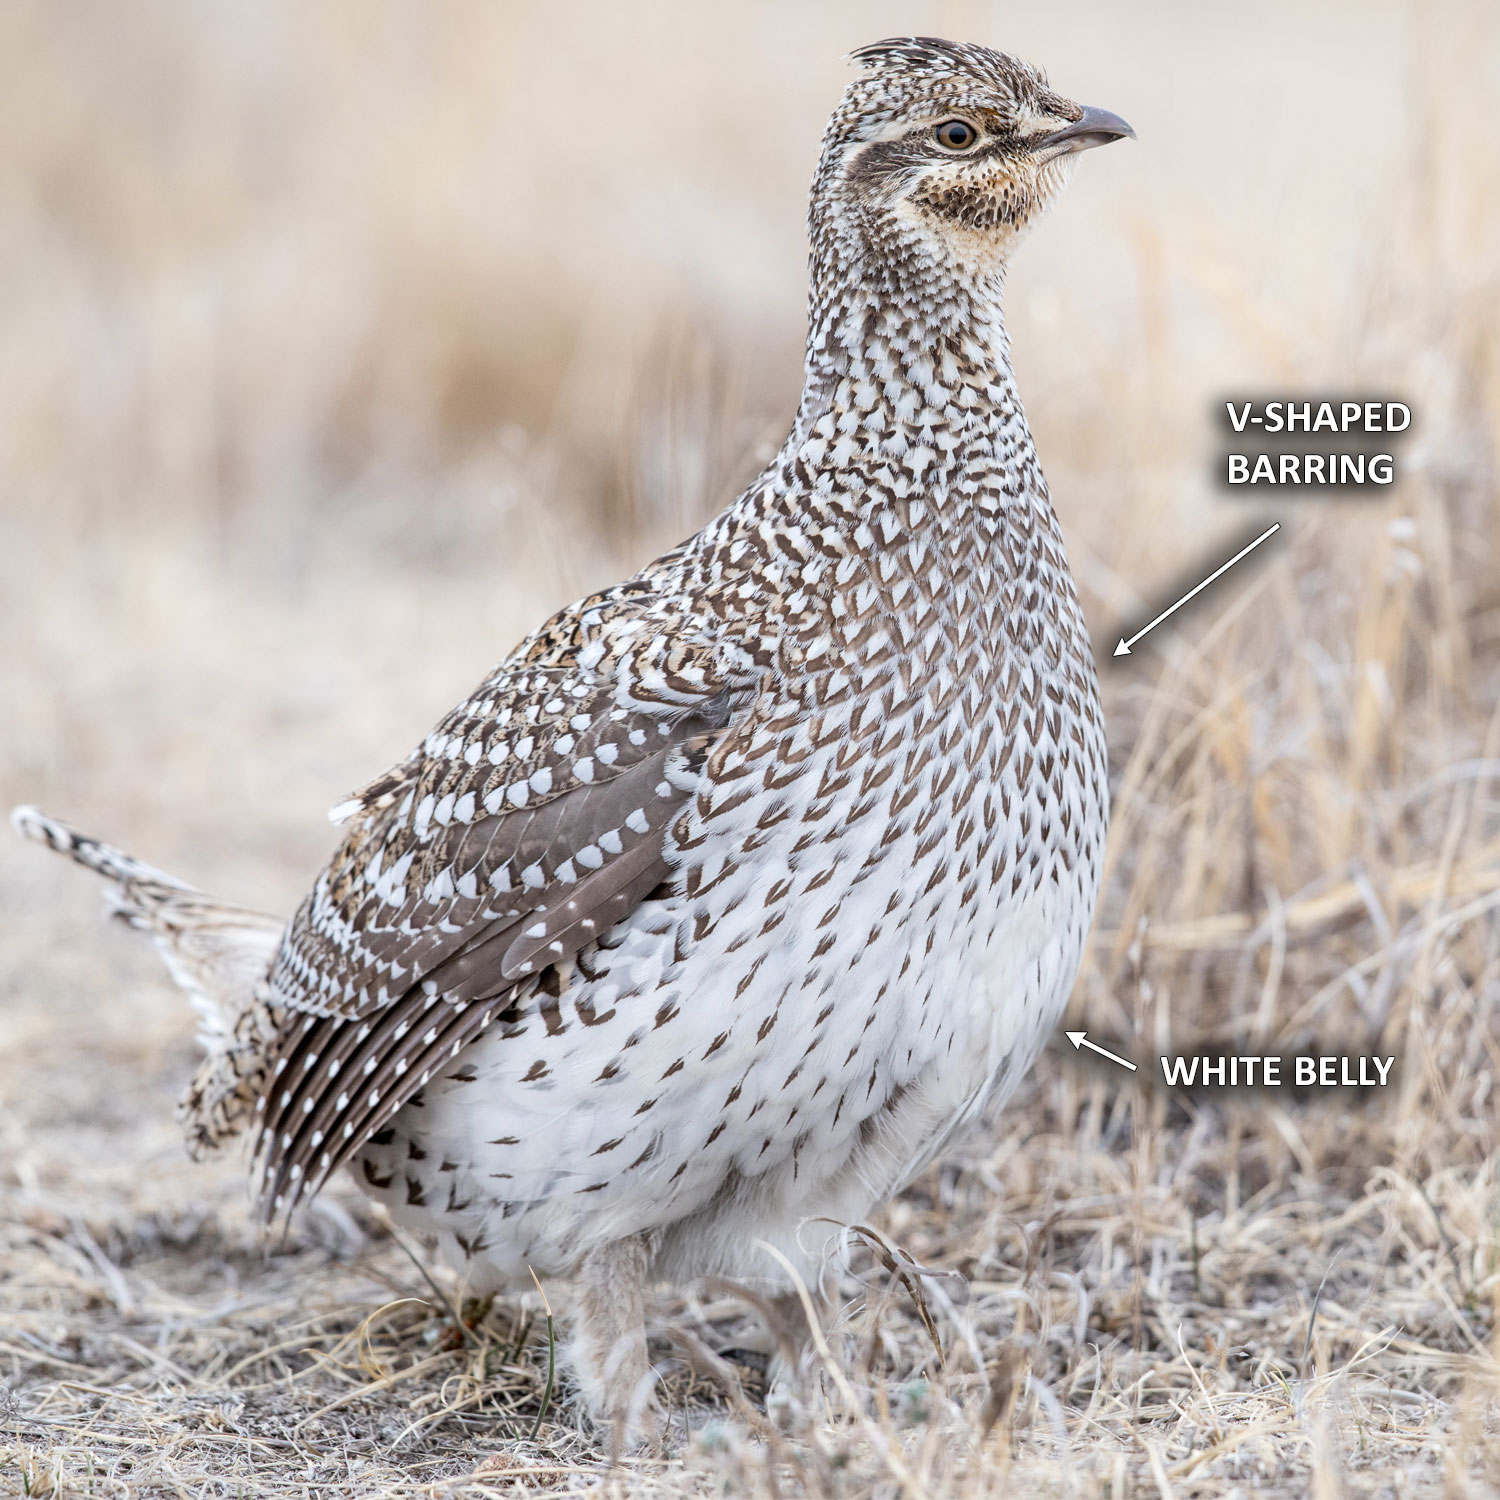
[217, 952]
[113, 864]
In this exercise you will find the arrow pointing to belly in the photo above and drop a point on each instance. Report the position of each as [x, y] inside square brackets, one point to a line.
[1123, 649]
[1081, 1039]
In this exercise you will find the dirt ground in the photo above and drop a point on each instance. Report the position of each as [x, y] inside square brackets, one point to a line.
[323, 383]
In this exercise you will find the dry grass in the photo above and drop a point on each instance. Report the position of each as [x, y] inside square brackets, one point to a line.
[338, 341]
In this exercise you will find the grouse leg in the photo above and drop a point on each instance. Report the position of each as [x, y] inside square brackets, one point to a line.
[608, 1348]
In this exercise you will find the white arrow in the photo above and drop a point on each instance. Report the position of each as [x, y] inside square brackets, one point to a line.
[1123, 649]
[1081, 1039]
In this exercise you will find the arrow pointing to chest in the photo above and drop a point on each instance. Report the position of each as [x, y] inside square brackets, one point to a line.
[1123, 649]
[1081, 1039]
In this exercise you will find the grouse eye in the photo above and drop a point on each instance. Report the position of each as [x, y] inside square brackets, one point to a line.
[956, 135]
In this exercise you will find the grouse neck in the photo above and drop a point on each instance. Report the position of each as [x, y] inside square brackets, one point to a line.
[918, 387]
[910, 298]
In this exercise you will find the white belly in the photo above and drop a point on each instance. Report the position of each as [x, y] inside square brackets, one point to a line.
[844, 988]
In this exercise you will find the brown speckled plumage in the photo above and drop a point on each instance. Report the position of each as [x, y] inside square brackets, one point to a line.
[737, 888]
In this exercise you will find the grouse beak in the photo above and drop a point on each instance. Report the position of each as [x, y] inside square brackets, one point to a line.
[1096, 127]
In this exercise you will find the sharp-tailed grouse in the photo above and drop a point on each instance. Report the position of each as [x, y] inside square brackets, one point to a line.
[735, 889]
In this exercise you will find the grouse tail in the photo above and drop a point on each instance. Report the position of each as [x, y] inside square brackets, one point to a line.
[219, 953]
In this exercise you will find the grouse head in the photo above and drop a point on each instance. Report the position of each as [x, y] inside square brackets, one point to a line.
[939, 156]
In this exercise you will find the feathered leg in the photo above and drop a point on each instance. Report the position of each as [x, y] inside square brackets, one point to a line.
[608, 1349]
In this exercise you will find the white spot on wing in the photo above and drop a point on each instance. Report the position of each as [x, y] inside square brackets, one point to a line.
[424, 814]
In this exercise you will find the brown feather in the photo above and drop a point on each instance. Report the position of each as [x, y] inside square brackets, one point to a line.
[573, 866]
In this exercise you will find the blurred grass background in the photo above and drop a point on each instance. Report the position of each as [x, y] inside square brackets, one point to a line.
[340, 342]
